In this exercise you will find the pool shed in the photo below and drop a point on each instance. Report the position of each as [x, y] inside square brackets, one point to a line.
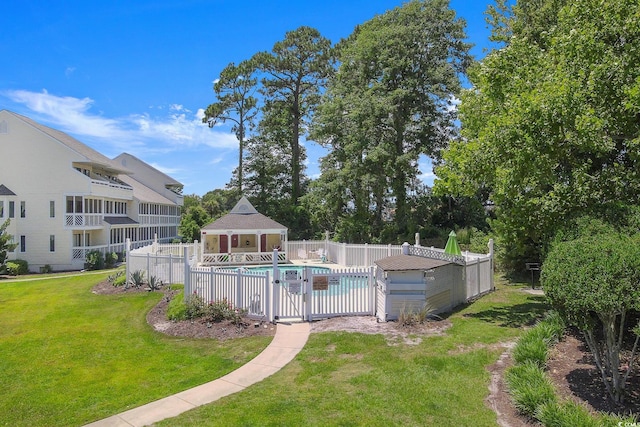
[411, 282]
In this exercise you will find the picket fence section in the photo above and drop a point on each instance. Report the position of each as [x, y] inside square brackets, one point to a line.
[312, 294]
[301, 294]
[346, 254]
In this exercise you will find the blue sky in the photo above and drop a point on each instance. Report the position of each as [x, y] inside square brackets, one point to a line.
[134, 76]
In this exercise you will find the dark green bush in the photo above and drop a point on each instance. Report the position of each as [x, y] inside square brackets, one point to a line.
[194, 306]
[94, 260]
[110, 259]
[17, 267]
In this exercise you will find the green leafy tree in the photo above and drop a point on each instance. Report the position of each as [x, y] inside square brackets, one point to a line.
[6, 243]
[191, 223]
[593, 280]
[390, 102]
[190, 200]
[551, 125]
[219, 202]
[295, 72]
[236, 103]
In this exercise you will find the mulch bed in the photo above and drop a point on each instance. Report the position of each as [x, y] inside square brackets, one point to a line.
[157, 318]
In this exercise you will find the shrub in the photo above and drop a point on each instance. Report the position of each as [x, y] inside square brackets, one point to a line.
[137, 278]
[94, 260]
[410, 318]
[529, 387]
[117, 279]
[194, 306]
[154, 283]
[17, 267]
[46, 269]
[110, 259]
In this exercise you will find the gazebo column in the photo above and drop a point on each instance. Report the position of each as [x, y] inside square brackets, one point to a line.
[229, 234]
[259, 242]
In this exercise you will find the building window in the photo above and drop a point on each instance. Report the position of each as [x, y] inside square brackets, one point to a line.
[23, 209]
[1, 208]
[12, 209]
[52, 243]
[74, 204]
[23, 243]
[52, 209]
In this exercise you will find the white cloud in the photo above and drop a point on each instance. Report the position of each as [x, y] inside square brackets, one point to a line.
[67, 112]
[166, 170]
[144, 132]
[69, 71]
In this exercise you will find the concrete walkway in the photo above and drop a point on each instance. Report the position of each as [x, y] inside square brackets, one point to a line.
[288, 341]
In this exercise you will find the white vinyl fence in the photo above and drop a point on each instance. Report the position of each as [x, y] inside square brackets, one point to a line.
[311, 293]
[342, 253]
[304, 293]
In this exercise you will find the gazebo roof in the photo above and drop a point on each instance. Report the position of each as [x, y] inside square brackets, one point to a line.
[243, 216]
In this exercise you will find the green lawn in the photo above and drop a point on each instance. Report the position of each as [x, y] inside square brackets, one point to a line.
[69, 357]
[347, 379]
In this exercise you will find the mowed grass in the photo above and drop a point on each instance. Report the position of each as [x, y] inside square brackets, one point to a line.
[69, 357]
[351, 379]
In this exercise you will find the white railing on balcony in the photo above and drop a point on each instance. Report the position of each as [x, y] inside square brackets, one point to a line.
[241, 258]
[83, 220]
[111, 184]
[145, 219]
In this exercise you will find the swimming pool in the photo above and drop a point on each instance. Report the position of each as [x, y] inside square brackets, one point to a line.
[293, 269]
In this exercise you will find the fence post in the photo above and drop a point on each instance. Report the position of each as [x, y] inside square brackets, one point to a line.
[275, 289]
[127, 259]
[366, 254]
[238, 302]
[187, 273]
[372, 292]
[307, 280]
[267, 299]
[170, 269]
[343, 256]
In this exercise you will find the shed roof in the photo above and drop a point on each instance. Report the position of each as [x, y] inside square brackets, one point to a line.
[409, 262]
[244, 216]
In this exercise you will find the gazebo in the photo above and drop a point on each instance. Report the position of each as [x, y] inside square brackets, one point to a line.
[243, 236]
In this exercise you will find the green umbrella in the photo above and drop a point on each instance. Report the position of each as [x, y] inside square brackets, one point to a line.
[452, 245]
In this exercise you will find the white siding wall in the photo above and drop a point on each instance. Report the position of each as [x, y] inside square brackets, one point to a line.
[40, 171]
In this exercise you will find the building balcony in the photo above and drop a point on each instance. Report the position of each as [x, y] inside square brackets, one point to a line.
[112, 189]
[84, 221]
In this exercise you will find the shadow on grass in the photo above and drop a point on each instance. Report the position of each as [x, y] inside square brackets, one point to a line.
[514, 316]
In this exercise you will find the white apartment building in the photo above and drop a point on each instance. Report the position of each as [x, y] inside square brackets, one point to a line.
[65, 199]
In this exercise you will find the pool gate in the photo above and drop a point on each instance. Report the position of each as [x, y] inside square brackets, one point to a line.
[288, 292]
